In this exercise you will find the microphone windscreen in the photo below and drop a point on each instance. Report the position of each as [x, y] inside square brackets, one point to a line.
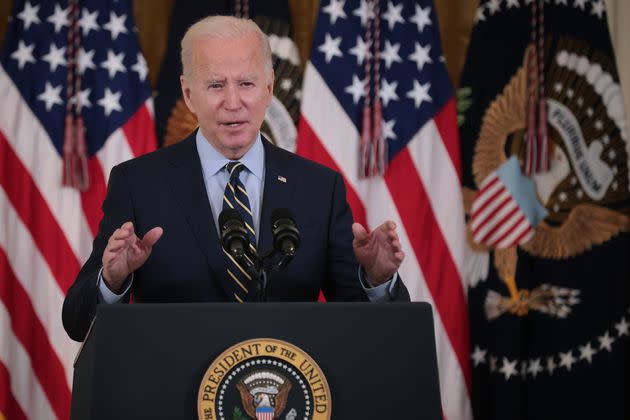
[278, 214]
[229, 215]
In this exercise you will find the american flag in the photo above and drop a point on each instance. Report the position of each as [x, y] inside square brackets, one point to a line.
[506, 210]
[420, 189]
[46, 228]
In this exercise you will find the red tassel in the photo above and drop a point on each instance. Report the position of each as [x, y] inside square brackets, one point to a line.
[379, 158]
[68, 146]
[366, 143]
[537, 150]
[75, 168]
[543, 140]
[83, 177]
[530, 152]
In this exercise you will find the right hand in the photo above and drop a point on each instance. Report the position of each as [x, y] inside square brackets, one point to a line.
[125, 253]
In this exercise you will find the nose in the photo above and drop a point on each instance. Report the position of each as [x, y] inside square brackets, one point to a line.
[232, 98]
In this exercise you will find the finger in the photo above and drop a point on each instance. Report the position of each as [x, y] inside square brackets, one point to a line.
[361, 235]
[116, 245]
[389, 225]
[122, 232]
[396, 245]
[117, 238]
[124, 238]
[109, 256]
[399, 256]
[388, 229]
[128, 226]
[115, 234]
[392, 235]
[152, 236]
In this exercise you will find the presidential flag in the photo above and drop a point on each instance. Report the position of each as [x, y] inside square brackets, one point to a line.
[378, 107]
[549, 317]
[76, 101]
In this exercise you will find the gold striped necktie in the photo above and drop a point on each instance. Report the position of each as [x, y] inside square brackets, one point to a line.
[235, 197]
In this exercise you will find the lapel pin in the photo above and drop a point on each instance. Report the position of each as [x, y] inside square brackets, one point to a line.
[282, 179]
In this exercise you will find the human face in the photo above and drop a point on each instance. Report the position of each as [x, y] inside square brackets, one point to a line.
[228, 89]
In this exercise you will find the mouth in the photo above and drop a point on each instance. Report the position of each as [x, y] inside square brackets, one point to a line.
[233, 124]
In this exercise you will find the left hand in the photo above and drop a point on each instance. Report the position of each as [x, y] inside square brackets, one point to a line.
[379, 252]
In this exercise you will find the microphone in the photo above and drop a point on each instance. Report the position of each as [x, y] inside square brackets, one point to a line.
[286, 237]
[234, 238]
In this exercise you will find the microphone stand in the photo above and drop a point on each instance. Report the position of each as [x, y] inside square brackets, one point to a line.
[270, 273]
[263, 269]
[263, 281]
[253, 264]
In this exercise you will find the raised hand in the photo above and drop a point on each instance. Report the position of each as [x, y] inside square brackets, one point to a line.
[125, 253]
[379, 252]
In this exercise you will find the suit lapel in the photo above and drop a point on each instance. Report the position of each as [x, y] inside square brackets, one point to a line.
[188, 187]
[278, 191]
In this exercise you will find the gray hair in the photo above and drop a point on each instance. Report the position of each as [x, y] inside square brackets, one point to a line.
[225, 27]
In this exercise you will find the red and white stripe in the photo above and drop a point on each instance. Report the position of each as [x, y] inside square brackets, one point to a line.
[265, 415]
[46, 233]
[421, 193]
[496, 219]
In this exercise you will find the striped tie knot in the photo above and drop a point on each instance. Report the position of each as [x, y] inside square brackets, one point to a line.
[234, 169]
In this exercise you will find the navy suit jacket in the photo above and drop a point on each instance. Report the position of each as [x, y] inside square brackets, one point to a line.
[166, 188]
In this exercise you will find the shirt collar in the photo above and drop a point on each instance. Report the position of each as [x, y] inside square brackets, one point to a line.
[212, 161]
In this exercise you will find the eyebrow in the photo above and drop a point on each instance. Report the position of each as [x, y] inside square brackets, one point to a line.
[249, 77]
[238, 79]
[215, 80]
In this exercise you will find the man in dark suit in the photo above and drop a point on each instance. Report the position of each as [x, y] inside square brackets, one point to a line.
[173, 197]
